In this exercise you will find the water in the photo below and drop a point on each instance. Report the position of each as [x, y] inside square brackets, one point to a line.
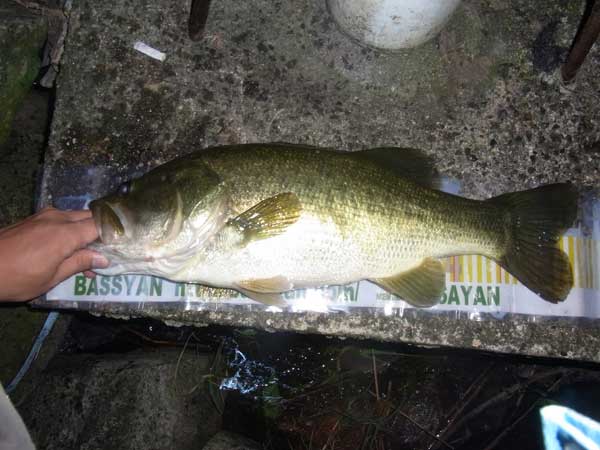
[292, 391]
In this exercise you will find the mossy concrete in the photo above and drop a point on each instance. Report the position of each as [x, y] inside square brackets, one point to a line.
[20, 163]
[22, 36]
[577, 339]
[152, 400]
[483, 99]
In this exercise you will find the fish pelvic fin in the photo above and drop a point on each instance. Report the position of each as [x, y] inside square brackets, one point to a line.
[266, 298]
[536, 219]
[421, 287]
[268, 218]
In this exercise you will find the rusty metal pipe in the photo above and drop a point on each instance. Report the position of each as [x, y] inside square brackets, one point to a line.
[197, 20]
[582, 45]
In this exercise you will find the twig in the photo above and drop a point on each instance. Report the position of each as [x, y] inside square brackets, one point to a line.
[422, 428]
[158, 341]
[40, 9]
[375, 375]
[506, 394]
[470, 394]
[319, 387]
[187, 341]
[332, 435]
[508, 429]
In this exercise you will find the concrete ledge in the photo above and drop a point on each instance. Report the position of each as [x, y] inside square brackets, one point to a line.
[577, 339]
[482, 100]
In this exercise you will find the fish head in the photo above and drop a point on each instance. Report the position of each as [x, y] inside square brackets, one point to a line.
[169, 210]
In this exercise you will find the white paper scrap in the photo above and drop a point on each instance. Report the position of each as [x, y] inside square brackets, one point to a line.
[151, 52]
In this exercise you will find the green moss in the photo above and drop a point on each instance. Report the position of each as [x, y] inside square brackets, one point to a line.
[19, 64]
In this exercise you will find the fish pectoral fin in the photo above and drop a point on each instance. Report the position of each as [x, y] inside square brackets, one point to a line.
[268, 218]
[422, 286]
[266, 298]
[267, 285]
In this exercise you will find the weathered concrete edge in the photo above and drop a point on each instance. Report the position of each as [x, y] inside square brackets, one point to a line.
[567, 338]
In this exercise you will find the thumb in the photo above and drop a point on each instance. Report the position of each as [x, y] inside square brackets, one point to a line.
[79, 261]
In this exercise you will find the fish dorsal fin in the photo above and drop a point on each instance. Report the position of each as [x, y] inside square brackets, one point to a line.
[266, 298]
[406, 162]
[274, 284]
[422, 286]
[268, 218]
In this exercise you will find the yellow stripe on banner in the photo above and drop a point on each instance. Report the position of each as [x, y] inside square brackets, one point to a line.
[498, 273]
[580, 271]
[479, 269]
[595, 268]
[488, 270]
[470, 268]
[461, 268]
[589, 259]
[456, 268]
[451, 262]
[506, 277]
[589, 275]
[571, 252]
[514, 280]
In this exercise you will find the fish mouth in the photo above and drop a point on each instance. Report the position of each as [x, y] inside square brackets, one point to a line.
[110, 221]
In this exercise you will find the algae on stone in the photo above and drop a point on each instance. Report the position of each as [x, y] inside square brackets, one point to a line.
[22, 36]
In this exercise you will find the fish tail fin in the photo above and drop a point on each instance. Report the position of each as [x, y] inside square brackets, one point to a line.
[536, 219]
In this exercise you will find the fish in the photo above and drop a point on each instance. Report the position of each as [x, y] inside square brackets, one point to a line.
[265, 219]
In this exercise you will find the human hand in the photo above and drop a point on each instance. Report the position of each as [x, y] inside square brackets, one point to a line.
[45, 249]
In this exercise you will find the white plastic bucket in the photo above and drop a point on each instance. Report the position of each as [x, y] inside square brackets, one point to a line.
[392, 24]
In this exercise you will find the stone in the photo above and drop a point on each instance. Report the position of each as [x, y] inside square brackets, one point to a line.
[22, 36]
[20, 162]
[150, 400]
[477, 99]
[226, 440]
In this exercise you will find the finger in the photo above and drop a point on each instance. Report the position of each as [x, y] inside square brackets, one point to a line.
[82, 232]
[80, 261]
[48, 211]
[66, 215]
[75, 216]
[89, 274]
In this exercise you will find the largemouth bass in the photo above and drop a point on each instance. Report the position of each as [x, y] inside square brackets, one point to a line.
[266, 219]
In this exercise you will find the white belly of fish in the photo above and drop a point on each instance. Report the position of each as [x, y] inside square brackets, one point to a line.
[310, 253]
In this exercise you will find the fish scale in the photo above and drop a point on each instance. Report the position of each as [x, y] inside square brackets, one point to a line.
[387, 216]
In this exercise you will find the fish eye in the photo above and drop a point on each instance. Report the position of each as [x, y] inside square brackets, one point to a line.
[124, 188]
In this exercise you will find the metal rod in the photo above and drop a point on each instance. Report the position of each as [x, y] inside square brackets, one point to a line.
[197, 20]
[583, 43]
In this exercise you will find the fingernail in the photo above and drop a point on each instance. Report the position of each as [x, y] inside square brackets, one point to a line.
[99, 262]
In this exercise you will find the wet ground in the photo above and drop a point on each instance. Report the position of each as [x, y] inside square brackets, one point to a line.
[291, 391]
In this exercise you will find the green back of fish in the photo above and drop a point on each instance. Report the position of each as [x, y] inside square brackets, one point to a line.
[384, 199]
[368, 199]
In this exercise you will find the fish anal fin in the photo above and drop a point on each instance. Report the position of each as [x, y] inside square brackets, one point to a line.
[268, 285]
[268, 218]
[422, 286]
[266, 298]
